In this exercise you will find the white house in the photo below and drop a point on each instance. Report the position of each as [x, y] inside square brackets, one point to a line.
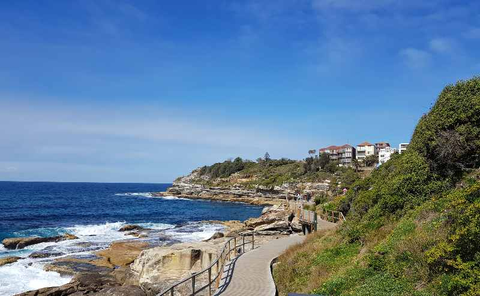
[385, 154]
[365, 149]
[402, 147]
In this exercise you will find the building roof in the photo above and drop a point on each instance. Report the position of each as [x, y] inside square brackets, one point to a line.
[333, 147]
[383, 144]
[365, 144]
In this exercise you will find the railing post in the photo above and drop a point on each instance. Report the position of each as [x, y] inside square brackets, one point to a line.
[243, 243]
[193, 284]
[210, 281]
[315, 225]
[171, 292]
[235, 247]
[253, 240]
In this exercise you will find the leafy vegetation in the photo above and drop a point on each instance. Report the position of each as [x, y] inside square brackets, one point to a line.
[270, 172]
[413, 225]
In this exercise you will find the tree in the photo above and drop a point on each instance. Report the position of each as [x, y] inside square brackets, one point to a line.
[356, 164]
[267, 157]
[371, 160]
[324, 160]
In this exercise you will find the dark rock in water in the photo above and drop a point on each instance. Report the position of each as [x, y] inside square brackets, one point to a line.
[84, 244]
[22, 242]
[9, 260]
[82, 284]
[131, 227]
[45, 254]
[121, 291]
[73, 266]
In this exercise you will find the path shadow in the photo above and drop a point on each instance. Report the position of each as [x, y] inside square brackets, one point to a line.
[227, 275]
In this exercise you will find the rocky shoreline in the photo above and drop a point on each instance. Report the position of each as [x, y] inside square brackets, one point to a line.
[135, 267]
[266, 196]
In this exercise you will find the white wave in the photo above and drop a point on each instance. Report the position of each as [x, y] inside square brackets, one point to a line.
[105, 230]
[144, 194]
[156, 226]
[171, 197]
[195, 232]
[32, 274]
[149, 194]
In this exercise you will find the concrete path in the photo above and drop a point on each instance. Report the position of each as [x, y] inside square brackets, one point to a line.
[323, 224]
[249, 274]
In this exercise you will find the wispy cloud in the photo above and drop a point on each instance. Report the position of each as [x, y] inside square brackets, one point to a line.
[442, 45]
[472, 33]
[113, 17]
[416, 58]
[102, 137]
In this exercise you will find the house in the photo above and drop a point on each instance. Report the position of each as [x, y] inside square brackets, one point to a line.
[385, 154]
[381, 145]
[344, 154]
[365, 149]
[402, 147]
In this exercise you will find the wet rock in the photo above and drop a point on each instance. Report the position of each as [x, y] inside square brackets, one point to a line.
[45, 254]
[81, 284]
[22, 242]
[9, 260]
[131, 227]
[72, 266]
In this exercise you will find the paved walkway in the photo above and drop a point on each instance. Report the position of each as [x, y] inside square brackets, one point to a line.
[251, 271]
[322, 224]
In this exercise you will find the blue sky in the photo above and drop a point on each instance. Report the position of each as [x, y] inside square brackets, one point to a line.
[145, 91]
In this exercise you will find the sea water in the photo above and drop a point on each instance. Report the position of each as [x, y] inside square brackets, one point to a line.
[94, 212]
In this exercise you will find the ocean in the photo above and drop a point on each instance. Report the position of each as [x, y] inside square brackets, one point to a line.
[95, 212]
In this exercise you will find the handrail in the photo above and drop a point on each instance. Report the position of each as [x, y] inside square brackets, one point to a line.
[331, 216]
[219, 263]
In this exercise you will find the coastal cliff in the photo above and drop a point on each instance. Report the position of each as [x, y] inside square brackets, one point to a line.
[242, 187]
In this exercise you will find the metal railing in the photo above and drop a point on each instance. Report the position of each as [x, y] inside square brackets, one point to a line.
[213, 273]
[309, 216]
[332, 216]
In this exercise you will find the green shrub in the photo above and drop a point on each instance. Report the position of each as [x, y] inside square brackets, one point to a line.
[449, 135]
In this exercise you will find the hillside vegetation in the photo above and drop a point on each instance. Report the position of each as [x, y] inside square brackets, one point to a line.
[269, 173]
[413, 225]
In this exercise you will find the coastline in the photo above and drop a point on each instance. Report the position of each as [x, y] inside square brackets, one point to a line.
[112, 264]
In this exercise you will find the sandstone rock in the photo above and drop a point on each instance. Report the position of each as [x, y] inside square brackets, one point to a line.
[22, 242]
[267, 218]
[277, 225]
[158, 268]
[131, 227]
[121, 291]
[122, 253]
[9, 260]
[296, 225]
[216, 235]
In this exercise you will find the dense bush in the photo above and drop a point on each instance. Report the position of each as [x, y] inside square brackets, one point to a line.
[223, 169]
[449, 135]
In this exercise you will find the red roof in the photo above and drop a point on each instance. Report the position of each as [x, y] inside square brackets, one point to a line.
[333, 147]
[365, 144]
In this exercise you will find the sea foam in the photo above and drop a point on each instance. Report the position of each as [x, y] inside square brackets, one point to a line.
[32, 277]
